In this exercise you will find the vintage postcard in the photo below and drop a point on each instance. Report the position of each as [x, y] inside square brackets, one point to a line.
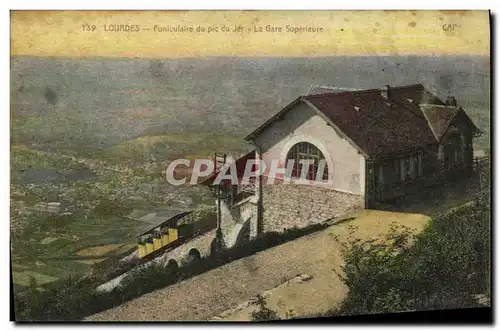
[249, 165]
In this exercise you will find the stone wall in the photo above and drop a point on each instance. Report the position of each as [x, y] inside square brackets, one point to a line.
[234, 218]
[288, 206]
[179, 254]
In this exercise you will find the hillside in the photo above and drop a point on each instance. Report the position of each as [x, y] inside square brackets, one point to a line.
[94, 202]
[93, 135]
[218, 285]
[224, 288]
[163, 147]
[84, 105]
[368, 261]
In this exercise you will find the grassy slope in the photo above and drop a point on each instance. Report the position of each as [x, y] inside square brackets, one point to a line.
[446, 267]
[159, 148]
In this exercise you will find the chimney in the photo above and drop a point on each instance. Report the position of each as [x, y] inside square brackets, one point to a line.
[451, 101]
[385, 92]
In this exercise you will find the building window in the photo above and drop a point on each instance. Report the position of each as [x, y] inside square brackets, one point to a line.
[307, 151]
[381, 174]
[397, 171]
[419, 164]
[409, 173]
[410, 167]
[453, 151]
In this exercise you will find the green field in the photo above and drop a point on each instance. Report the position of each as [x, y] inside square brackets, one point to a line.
[61, 256]
[47, 247]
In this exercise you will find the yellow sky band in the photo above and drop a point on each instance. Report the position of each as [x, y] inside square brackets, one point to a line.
[166, 34]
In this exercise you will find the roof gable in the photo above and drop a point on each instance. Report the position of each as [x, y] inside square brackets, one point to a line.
[439, 118]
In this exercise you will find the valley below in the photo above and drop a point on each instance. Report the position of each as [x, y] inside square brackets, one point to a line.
[89, 141]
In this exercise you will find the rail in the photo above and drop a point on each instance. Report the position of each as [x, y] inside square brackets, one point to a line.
[120, 269]
[480, 161]
[394, 189]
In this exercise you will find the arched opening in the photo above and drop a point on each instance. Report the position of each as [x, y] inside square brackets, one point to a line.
[194, 255]
[173, 268]
[217, 245]
[307, 151]
[213, 247]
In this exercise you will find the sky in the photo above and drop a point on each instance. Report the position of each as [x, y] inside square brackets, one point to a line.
[88, 33]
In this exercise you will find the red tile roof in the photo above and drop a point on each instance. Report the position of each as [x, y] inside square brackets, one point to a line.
[378, 125]
[373, 124]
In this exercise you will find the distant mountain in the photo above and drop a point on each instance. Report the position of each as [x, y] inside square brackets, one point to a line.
[95, 103]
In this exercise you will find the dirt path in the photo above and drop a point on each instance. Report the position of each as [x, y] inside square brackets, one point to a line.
[207, 295]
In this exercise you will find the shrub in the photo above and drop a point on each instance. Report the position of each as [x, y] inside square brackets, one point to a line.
[446, 267]
[263, 313]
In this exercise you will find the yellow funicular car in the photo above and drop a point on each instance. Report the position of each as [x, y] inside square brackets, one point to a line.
[160, 236]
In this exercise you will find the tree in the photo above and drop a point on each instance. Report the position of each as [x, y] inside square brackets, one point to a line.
[446, 266]
[263, 313]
